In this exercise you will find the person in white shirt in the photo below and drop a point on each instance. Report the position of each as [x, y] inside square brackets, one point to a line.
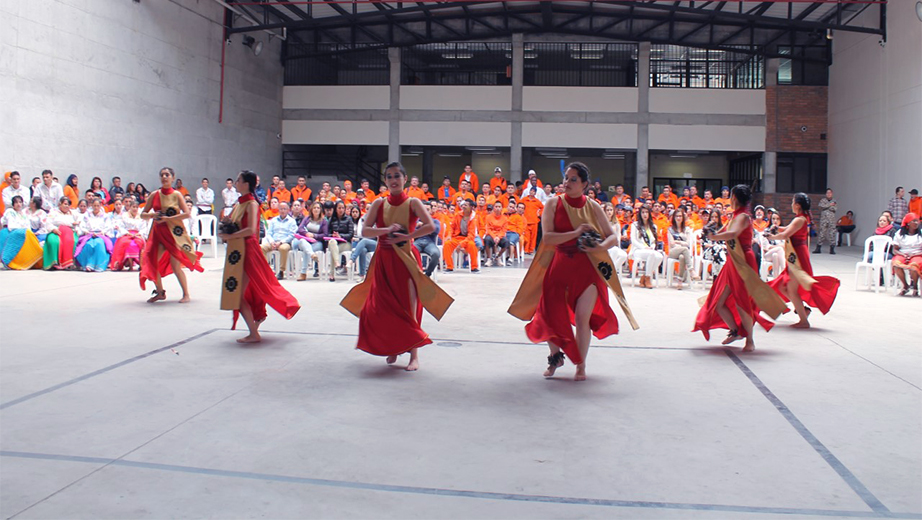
[50, 191]
[204, 199]
[15, 188]
[230, 196]
[14, 238]
[132, 230]
[533, 181]
[279, 235]
[94, 245]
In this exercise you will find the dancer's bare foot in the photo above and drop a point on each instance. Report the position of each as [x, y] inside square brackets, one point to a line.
[554, 361]
[750, 346]
[252, 338]
[580, 373]
[391, 360]
[157, 296]
[731, 337]
[802, 324]
[185, 299]
[550, 371]
[413, 366]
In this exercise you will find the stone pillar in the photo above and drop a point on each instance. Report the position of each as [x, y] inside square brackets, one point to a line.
[770, 158]
[642, 172]
[518, 75]
[393, 134]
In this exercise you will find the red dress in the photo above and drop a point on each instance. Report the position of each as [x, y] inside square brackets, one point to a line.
[263, 288]
[160, 236]
[823, 293]
[386, 327]
[708, 318]
[567, 277]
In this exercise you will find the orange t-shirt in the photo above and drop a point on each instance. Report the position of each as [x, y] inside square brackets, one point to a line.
[620, 200]
[698, 201]
[480, 217]
[497, 226]
[671, 198]
[468, 195]
[446, 193]
[71, 194]
[695, 222]
[282, 194]
[516, 224]
[501, 182]
[415, 192]
[661, 222]
[725, 202]
[300, 193]
[915, 206]
[184, 191]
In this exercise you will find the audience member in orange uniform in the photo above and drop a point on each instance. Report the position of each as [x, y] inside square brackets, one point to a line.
[300, 190]
[759, 223]
[463, 231]
[446, 192]
[494, 237]
[620, 197]
[413, 190]
[708, 199]
[724, 197]
[347, 194]
[533, 210]
[427, 195]
[498, 196]
[516, 225]
[281, 193]
[667, 197]
[469, 176]
[498, 180]
[915, 202]
[465, 192]
[181, 189]
[696, 200]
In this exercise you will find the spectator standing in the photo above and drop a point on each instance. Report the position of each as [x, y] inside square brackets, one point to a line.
[230, 196]
[898, 207]
[915, 202]
[204, 199]
[279, 236]
[827, 229]
[469, 176]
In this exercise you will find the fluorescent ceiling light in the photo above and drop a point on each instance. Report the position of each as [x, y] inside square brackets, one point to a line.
[449, 155]
[682, 156]
[481, 148]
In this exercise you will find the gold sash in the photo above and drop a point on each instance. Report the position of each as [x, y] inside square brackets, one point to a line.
[231, 288]
[170, 205]
[795, 271]
[764, 296]
[434, 299]
[526, 299]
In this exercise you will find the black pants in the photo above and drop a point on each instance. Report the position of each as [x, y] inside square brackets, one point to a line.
[844, 229]
[488, 242]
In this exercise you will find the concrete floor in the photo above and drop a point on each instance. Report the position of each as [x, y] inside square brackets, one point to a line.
[113, 408]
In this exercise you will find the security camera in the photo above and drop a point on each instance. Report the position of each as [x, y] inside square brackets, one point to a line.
[278, 136]
[227, 41]
[803, 128]
[882, 42]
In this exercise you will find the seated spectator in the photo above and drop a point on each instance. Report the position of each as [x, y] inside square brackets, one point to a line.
[37, 217]
[204, 199]
[773, 250]
[644, 246]
[82, 207]
[342, 229]
[15, 188]
[99, 191]
[279, 236]
[845, 225]
[680, 246]
[428, 244]
[463, 232]
[517, 226]
[759, 222]
[363, 247]
[92, 252]
[618, 256]
[61, 229]
[191, 226]
[907, 254]
[142, 193]
[230, 196]
[494, 236]
[71, 190]
[127, 249]
[19, 248]
[309, 239]
[714, 252]
[181, 189]
[297, 211]
[446, 192]
[116, 187]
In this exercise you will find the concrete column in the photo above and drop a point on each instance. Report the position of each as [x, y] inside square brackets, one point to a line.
[642, 172]
[518, 75]
[771, 71]
[393, 134]
[769, 172]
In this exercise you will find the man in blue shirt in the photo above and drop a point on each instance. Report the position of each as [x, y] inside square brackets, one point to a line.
[279, 236]
[428, 244]
[260, 192]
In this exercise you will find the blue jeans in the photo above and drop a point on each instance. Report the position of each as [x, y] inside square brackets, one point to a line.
[306, 248]
[478, 242]
[512, 237]
[427, 247]
[360, 253]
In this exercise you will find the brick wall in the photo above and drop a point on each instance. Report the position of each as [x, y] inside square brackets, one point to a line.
[782, 203]
[791, 109]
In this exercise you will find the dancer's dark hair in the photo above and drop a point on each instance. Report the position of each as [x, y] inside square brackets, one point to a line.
[249, 178]
[581, 169]
[802, 200]
[742, 193]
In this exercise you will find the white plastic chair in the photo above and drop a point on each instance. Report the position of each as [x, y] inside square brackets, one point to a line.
[635, 267]
[207, 226]
[873, 268]
[843, 238]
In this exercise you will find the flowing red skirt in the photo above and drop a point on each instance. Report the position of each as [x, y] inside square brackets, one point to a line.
[823, 293]
[568, 276]
[120, 252]
[263, 288]
[708, 318]
[386, 325]
[160, 236]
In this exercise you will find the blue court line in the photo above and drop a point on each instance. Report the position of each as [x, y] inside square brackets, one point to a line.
[101, 371]
[849, 477]
[483, 495]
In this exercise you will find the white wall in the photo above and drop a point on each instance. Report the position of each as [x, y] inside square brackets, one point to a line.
[707, 101]
[579, 99]
[469, 97]
[337, 97]
[335, 132]
[708, 137]
[579, 135]
[875, 114]
[115, 87]
[455, 133]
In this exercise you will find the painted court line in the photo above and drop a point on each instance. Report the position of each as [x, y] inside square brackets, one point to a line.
[811, 439]
[101, 371]
[483, 495]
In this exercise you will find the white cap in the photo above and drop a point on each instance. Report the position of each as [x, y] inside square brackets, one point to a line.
[497, 169]
[532, 172]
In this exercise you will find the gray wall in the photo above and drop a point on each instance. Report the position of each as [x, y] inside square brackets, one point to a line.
[875, 115]
[114, 87]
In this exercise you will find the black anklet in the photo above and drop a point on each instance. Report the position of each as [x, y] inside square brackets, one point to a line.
[555, 360]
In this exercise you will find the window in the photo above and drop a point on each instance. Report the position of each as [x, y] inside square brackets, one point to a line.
[457, 63]
[580, 64]
[747, 170]
[335, 64]
[687, 67]
[797, 71]
[804, 172]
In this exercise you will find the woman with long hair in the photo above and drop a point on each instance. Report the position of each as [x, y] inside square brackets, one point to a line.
[128, 247]
[714, 251]
[71, 191]
[618, 255]
[342, 229]
[94, 246]
[796, 283]
[390, 302]
[142, 193]
[249, 283]
[19, 247]
[309, 239]
[168, 246]
[567, 285]
[773, 250]
[679, 245]
[61, 228]
[738, 294]
[643, 246]
[907, 254]
[100, 191]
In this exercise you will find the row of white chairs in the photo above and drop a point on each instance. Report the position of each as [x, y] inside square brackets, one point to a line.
[876, 265]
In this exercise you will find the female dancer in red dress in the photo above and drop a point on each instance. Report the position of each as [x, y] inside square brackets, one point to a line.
[390, 302]
[567, 283]
[796, 283]
[249, 283]
[168, 246]
[738, 294]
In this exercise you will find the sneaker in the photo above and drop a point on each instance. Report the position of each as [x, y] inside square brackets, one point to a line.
[281, 275]
[508, 262]
[449, 270]
[475, 270]
[488, 263]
